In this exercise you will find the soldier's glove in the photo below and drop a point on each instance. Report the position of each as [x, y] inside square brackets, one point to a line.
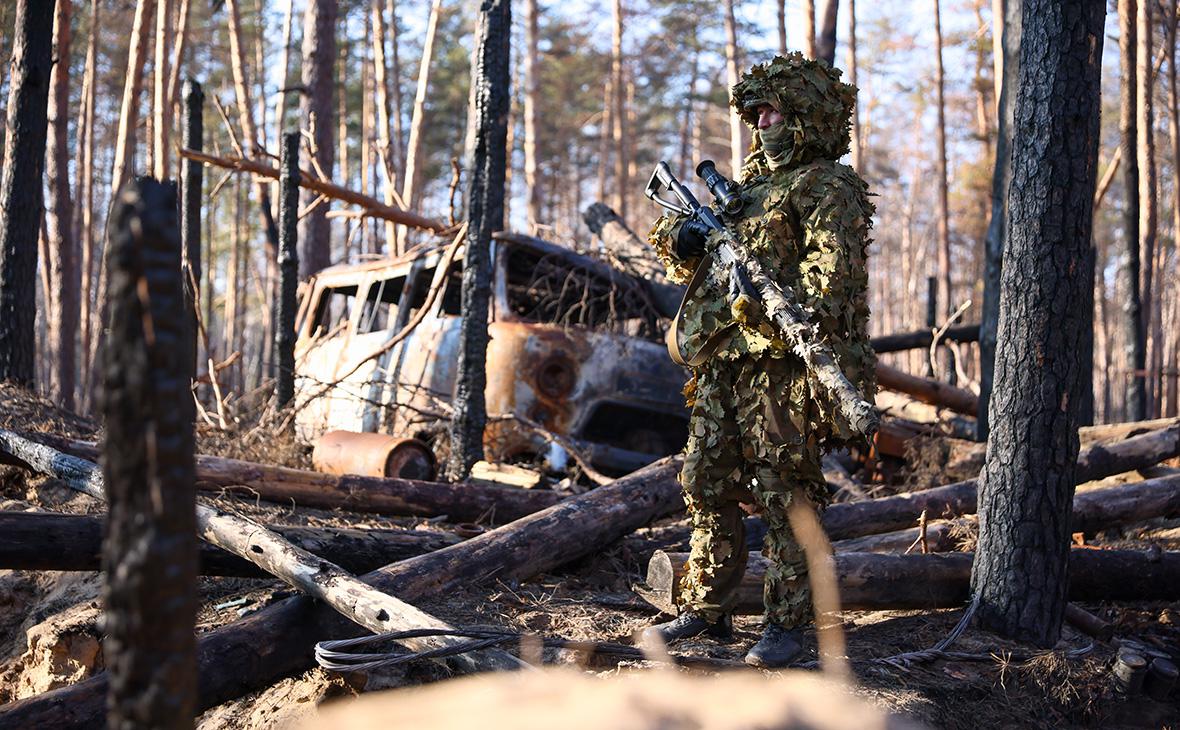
[690, 239]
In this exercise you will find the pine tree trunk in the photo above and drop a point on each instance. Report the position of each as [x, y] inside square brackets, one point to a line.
[619, 111]
[288, 269]
[280, 112]
[161, 103]
[737, 150]
[854, 148]
[1148, 211]
[825, 42]
[1020, 574]
[1007, 25]
[485, 214]
[317, 110]
[1131, 321]
[388, 152]
[59, 215]
[150, 555]
[530, 60]
[192, 179]
[809, 28]
[21, 203]
[943, 211]
[781, 6]
[410, 189]
[85, 177]
[181, 43]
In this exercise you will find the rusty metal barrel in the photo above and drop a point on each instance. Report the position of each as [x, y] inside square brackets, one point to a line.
[373, 455]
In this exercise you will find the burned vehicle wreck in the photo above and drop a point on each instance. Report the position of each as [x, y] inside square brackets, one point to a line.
[575, 350]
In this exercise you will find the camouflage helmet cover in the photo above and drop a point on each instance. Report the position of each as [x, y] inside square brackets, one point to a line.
[811, 98]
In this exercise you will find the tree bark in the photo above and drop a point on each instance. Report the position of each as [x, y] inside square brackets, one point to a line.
[875, 582]
[280, 111]
[161, 102]
[317, 101]
[485, 215]
[1006, 23]
[825, 42]
[1148, 205]
[85, 178]
[809, 28]
[20, 188]
[1047, 309]
[192, 176]
[737, 148]
[48, 541]
[854, 149]
[530, 60]
[232, 665]
[150, 555]
[288, 269]
[781, 6]
[1131, 321]
[59, 215]
[389, 154]
[942, 214]
[618, 116]
[410, 188]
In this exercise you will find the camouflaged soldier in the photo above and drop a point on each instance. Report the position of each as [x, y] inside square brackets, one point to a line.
[759, 420]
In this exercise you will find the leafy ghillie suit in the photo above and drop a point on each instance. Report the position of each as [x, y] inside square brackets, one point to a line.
[759, 419]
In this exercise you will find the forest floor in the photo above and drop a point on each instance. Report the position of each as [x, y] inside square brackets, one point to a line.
[50, 635]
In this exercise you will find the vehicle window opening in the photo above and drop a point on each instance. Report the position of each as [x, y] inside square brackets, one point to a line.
[551, 289]
[380, 309]
[452, 296]
[333, 310]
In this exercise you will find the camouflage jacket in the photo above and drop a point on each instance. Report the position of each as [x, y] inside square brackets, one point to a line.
[807, 221]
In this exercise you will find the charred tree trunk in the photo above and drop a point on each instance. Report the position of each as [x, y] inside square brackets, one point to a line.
[318, 100]
[192, 176]
[150, 554]
[20, 188]
[1148, 207]
[485, 214]
[1047, 308]
[1006, 24]
[59, 216]
[288, 269]
[1131, 321]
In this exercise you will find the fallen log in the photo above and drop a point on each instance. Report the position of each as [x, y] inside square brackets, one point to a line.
[886, 514]
[922, 338]
[277, 641]
[352, 598]
[459, 502]
[928, 390]
[49, 541]
[871, 581]
[945, 420]
[1093, 510]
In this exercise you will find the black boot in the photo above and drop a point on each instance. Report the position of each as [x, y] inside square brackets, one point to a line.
[778, 647]
[690, 624]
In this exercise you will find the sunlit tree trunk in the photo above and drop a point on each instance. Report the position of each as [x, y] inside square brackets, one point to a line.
[390, 155]
[318, 103]
[161, 102]
[943, 211]
[280, 111]
[1173, 344]
[182, 32]
[737, 147]
[854, 147]
[809, 28]
[781, 6]
[1131, 321]
[619, 112]
[85, 188]
[410, 189]
[825, 42]
[530, 59]
[63, 259]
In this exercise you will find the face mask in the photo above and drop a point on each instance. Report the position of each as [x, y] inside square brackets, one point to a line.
[778, 142]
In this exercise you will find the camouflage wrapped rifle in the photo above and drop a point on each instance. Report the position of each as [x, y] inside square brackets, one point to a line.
[748, 285]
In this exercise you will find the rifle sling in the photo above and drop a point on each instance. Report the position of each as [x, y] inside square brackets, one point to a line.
[672, 337]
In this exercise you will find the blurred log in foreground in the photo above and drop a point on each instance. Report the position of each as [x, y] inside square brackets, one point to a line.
[871, 581]
[792, 700]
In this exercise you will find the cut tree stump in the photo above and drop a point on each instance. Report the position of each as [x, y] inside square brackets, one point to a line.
[458, 502]
[870, 581]
[277, 641]
[362, 604]
[48, 541]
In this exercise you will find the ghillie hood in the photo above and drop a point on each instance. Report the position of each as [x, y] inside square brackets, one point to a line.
[816, 108]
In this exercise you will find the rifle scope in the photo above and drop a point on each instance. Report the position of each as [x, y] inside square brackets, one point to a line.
[724, 191]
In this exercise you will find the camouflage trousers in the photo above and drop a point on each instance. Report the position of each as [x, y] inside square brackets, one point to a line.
[750, 444]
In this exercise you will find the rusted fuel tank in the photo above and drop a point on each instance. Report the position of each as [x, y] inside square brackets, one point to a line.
[373, 455]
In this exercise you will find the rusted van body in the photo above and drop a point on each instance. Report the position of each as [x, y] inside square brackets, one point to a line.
[575, 347]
